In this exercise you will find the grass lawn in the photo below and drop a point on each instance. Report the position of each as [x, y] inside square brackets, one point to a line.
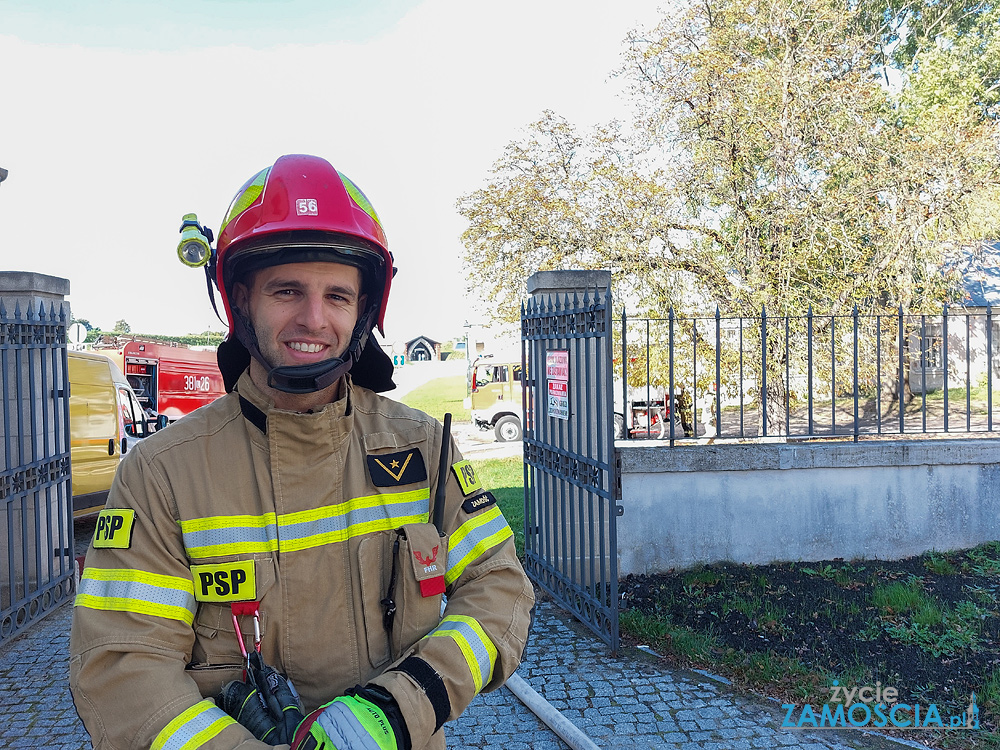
[439, 396]
[502, 476]
[505, 479]
[928, 626]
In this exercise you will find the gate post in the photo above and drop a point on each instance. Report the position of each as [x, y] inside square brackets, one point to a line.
[36, 522]
[570, 468]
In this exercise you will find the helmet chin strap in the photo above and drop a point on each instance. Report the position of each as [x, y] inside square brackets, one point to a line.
[300, 379]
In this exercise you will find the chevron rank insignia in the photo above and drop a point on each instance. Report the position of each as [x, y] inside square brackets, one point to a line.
[395, 469]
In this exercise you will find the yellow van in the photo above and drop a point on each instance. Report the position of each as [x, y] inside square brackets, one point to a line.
[495, 400]
[104, 415]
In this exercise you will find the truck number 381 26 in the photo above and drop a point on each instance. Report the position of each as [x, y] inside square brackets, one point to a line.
[194, 383]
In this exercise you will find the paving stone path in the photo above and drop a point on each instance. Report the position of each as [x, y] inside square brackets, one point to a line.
[628, 701]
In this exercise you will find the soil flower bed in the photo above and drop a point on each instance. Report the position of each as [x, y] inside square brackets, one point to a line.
[927, 626]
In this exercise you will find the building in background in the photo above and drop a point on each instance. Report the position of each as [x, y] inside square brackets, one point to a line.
[423, 349]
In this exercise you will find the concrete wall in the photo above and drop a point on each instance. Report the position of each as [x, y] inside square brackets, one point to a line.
[762, 503]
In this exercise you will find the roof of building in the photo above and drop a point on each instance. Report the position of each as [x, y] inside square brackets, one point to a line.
[981, 276]
[428, 339]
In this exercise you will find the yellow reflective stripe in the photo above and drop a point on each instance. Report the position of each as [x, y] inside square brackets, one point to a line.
[214, 523]
[193, 728]
[359, 197]
[132, 605]
[230, 535]
[125, 590]
[356, 517]
[237, 548]
[480, 533]
[290, 532]
[353, 505]
[247, 194]
[332, 537]
[478, 650]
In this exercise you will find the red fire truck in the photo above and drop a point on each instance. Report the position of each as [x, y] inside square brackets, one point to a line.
[169, 379]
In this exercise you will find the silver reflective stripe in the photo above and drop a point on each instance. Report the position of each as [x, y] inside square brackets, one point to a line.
[474, 537]
[138, 590]
[345, 729]
[478, 650]
[127, 590]
[193, 728]
[250, 538]
[356, 519]
[218, 536]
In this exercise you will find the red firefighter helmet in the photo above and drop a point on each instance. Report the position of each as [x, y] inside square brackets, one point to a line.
[300, 210]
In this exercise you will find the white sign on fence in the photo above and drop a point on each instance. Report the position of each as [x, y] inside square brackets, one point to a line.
[557, 376]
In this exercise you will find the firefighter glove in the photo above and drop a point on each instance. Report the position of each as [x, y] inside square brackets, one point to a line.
[264, 704]
[367, 718]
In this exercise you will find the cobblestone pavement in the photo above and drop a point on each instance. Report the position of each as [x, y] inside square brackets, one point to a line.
[628, 701]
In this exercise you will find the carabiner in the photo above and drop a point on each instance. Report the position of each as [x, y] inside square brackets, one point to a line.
[246, 608]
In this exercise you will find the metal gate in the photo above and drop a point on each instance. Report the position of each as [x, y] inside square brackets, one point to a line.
[36, 522]
[570, 487]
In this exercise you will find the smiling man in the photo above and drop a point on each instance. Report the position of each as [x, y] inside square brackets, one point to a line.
[275, 578]
[302, 313]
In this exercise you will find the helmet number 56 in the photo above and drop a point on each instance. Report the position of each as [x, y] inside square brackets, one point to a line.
[306, 207]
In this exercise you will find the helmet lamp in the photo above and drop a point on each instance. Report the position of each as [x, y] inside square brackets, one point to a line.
[194, 249]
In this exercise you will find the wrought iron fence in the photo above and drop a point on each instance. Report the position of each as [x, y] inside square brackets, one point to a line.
[36, 524]
[570, 475]
[808, 376]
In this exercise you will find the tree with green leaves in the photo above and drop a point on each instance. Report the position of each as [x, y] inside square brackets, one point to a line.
[768, 165]
[950, 49]
[122, 326]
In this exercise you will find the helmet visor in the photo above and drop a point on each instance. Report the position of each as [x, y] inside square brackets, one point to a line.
[307, 247]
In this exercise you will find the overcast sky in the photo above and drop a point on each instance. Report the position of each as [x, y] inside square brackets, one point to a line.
[116, 118]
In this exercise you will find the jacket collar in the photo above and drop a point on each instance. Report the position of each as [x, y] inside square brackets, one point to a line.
[257, 406]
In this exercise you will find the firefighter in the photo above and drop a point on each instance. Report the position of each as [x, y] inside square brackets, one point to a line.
[684, 409]
[266, 571]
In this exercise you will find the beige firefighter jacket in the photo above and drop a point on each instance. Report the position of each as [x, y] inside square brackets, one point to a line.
[319, 517]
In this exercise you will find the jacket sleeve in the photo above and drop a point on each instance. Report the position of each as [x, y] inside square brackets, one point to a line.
[132, 628]
[484, 627]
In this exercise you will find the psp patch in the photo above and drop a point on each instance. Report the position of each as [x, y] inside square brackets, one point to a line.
[225, 582]
[114, 529]
[395, 469]
[467, 478]
[477, 503]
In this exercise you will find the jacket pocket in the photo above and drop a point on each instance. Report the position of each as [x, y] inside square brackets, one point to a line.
[216, 644]
[402, 585]
[210, 679]
[421, 561]
[374, 561]
[377, 441]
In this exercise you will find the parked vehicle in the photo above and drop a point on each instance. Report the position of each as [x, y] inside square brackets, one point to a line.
[495, 398]
[496, 402]
[105, 416]
[169, 380]
[648, 415]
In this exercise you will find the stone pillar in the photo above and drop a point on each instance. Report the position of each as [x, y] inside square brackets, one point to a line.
[22, 286]
[33, 309]
[548, 283]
